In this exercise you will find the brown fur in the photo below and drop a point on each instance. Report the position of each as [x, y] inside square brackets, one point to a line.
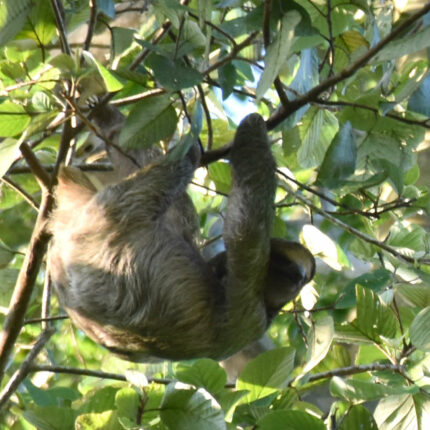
[127, 270]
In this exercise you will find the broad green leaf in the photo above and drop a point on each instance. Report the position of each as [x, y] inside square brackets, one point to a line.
[41, 23]
[420, 329]
[354, 390]
[228, 401]
[415, 294]
[127, 403]
[373, 318]
[192, 35]
[317, 131]
[407, 238]
[63, 62]
[375, 281]
[173, 75]
[170, 9]
[278, 52]
[340, 159]
[347, 333]
[13, 14]
[393, 173]
[420, 100]
[99, 400]
[150, 121]
[320, 342]
[49, 417]
[403, 412]
[290, 420]
[106, 420]
[322, 246]
[220, 173]
[9, 151]
[6, 255]
[110, 80]
[354, 40]
[191, 410]
[358, 418]
[13, 119]
[267, 373]
[122, 39]
[203, 373]
[406, 45]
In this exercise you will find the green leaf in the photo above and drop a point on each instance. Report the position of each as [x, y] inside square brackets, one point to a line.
[6, 255]
[373, 318]
[267, 373]
[408, 238]
[97, 421]
[317, 131]
[220, 173]
[420, 99]
[63, 62]
[406, 45]
[353, 390]
[49, 417]
[41, 23]
[13, 119]
[420, 329]
[320, 342]
[150, 121]
[358, 418]
[122, 39]
[416, 295]
[173, 75]
[9, 151]
[340, 159]
[127, 403]
[13, 14]
[278, 52]
[290, 420]
[191, 410]
[375, 281]
[404, 412]
[110, 79]
[203, 373]
[347, 333]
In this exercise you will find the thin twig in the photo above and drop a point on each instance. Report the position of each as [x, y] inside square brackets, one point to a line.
[25, 367]
[87, 372]
[347, 72]
[26, 196]
[227, 58]
[57, 7]
[358, 233]
[36, 168]
[91, 25]
[353, 370]
[25, 283]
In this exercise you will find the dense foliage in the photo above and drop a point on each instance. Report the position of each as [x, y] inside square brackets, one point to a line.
[345, 88]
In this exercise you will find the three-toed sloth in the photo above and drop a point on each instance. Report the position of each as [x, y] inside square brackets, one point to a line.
[128, 272]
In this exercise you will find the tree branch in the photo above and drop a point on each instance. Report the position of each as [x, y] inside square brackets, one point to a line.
[25, 283]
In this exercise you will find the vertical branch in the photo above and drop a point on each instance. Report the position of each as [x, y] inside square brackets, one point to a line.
[91, 25]
[57, 7]
[25, 282]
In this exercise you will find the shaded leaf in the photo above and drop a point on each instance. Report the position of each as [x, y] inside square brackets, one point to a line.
[150, 121]
[267, 373]
[420, 329]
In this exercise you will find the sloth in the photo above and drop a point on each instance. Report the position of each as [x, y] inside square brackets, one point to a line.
[126, 267]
